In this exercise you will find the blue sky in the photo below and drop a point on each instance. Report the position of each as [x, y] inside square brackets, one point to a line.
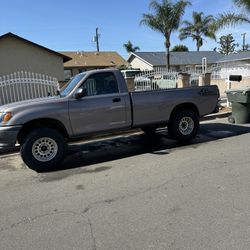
[70, 25]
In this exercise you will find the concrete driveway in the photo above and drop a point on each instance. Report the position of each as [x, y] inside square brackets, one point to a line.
[133, 192]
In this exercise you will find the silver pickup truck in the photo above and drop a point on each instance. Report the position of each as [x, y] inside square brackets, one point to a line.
[97, 102]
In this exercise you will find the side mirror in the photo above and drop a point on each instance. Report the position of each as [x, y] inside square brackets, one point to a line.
[80, 93]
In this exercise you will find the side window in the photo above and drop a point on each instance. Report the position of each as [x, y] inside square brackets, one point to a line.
[101, 84]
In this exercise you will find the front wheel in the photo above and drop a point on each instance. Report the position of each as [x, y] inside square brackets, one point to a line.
[43, 149]
[184, 125]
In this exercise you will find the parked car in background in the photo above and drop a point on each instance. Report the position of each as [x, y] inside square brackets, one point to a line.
[141, 82]
[128, 73]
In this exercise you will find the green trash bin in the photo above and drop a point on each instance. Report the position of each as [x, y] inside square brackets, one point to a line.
[240, 99]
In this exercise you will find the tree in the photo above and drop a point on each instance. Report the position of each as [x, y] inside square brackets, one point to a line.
[247, 47]
[165, 19]
[227, 44]
[130, 48]
[243, 3]
[199, 28]
[231, 18]
[178, 48]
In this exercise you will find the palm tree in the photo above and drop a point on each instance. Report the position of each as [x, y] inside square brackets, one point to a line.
[243, 3]
[130, 48]
[165, 19]
[199, 28]
[231, 18]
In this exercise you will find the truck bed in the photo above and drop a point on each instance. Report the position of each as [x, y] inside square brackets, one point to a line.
[150, 107]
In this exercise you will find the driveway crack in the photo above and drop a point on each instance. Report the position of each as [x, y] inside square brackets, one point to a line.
[27, 220]
[92, 235]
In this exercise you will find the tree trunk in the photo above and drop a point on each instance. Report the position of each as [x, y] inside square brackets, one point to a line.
[197, 45]
[167, 59]
[167, 45]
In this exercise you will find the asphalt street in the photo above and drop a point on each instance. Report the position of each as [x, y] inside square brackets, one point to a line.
[133, 192]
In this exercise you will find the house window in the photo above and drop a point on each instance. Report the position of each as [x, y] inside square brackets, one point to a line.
[188, 68]
[198, 68]
[68, 74]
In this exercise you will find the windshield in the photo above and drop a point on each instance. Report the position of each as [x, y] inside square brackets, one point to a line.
[71, 84]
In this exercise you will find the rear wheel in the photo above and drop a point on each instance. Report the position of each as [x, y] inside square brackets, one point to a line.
[43, 149]
[184, 125]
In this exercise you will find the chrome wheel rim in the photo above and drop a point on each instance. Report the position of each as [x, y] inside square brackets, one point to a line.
[44, 149]
[186, 125]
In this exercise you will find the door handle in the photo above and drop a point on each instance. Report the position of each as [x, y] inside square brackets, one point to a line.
[118, 99]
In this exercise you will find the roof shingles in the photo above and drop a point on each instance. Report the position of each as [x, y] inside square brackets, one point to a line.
[94, 59]
[179, 58]
[243, 55]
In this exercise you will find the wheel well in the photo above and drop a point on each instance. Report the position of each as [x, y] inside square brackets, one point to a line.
[185, 106]
[46, 122]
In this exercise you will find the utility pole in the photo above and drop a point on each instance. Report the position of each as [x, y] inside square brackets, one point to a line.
[244, 41]
[97, 39]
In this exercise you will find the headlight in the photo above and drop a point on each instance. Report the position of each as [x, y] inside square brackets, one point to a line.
[5, 117]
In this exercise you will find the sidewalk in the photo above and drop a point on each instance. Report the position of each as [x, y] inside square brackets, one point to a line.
[224, 112]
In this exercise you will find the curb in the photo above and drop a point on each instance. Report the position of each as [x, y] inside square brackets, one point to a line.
[216, 116]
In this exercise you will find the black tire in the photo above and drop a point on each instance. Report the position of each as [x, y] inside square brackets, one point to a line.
[43, 149]
[231, 119]
[183, 125]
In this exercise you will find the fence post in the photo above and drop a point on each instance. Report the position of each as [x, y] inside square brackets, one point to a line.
[205, 79]
[183, 80]
[130, 83]
[229, 85]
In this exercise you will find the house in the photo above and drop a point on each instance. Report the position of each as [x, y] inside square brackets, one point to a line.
[179, 61]
[242, 57]
[233, 64]
[236, 64]
[20, 54]
[82, 61]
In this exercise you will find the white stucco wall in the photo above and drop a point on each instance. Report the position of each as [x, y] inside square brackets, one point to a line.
[235, 68]
[138, 63]
[17, 55]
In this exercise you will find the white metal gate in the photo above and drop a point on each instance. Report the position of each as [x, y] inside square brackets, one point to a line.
[156, 79]
[194, 79]
[24, 85]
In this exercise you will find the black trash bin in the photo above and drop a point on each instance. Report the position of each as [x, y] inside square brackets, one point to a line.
[240, 99]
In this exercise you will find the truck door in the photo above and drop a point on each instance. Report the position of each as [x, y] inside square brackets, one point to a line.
[103, 108]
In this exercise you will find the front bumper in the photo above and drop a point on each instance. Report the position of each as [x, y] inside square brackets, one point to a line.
[8, 136]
